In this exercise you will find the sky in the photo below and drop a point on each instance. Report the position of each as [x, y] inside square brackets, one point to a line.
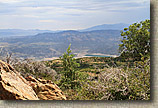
[70, 14]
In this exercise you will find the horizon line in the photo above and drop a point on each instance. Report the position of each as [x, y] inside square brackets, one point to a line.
[59, 29]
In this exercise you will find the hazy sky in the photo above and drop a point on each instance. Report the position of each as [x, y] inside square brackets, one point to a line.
[70, 14]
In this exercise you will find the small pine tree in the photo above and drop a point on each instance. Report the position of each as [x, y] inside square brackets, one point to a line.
[69, 69]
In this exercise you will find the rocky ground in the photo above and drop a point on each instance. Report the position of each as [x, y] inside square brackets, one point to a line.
[15, 87]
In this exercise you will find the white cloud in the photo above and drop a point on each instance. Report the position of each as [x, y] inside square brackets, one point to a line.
[11, 1]
[24, 16]
[69, 14]
[48, 21]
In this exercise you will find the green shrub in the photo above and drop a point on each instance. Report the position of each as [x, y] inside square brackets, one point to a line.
[118, 84]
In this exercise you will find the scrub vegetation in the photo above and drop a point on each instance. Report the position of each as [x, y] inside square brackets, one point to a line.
[126, 77]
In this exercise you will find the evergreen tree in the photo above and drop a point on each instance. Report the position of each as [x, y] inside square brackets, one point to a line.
[69, 69]
[136, 41]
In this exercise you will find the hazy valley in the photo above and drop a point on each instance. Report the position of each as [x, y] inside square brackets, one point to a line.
[48, 44]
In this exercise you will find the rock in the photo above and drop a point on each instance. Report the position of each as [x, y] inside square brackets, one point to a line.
[13, 85]
[46, 89]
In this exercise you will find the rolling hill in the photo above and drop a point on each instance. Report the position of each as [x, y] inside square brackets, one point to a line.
[47, 45]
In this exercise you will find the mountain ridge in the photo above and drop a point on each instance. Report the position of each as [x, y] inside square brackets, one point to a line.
[117, 26]
[30, 32]
[54, 44]
[20, 32]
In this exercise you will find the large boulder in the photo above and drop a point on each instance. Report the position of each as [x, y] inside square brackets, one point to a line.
[46, 89]
[13, 85]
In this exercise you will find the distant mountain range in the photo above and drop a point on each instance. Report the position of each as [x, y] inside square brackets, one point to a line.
[47, 45]
[40, 44]
[118, 26]
[21, 32]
